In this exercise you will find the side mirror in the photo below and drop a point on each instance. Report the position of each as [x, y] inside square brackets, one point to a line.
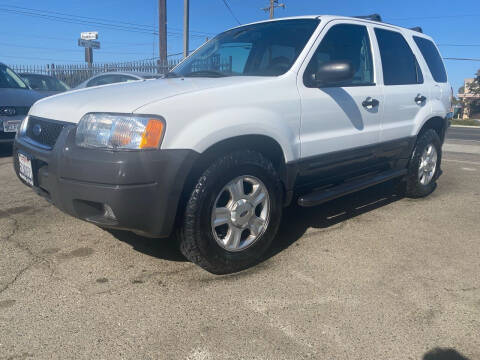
[333, 73]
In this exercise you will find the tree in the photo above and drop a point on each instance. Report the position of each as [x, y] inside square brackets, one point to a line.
[474, 87]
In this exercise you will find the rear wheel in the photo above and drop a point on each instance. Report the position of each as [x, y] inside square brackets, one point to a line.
[233, 213]
[424, 167]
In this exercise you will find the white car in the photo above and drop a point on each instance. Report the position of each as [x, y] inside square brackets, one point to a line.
[116, 77]
[303, 110]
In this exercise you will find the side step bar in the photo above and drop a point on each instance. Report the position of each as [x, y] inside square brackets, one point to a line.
[322, 196]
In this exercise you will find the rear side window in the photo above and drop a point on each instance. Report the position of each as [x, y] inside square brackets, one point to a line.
[432, 58]
[400, 67]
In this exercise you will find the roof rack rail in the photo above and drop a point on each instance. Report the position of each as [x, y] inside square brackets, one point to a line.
[373, 17]
[417, 28]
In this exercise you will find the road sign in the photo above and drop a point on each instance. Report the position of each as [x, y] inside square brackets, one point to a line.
[89, 44]
[89, 35]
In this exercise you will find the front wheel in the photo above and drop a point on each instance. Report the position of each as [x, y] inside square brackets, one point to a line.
[424, 167]
[233, 213]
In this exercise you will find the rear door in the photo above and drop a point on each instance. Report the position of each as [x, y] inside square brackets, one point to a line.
[338, 133]
[404, 88]
[440, 88]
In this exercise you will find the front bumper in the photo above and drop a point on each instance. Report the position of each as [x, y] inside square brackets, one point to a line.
[130, 190]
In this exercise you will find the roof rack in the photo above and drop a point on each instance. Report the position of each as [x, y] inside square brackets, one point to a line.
[373, 17]
[417, 28]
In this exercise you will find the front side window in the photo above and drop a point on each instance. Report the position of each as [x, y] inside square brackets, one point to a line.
[344, 42]
[432, 58]
[10, 80]
[400, 67]
[265, 49]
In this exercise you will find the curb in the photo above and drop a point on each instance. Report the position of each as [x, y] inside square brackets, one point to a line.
[465, 126]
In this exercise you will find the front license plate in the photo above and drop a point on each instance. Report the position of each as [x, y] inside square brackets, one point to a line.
[11, 125]
[25, 168]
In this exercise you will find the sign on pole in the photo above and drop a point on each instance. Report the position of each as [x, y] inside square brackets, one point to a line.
[93, 44]
[89, 35]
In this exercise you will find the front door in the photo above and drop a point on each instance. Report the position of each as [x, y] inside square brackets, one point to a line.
[340, 125]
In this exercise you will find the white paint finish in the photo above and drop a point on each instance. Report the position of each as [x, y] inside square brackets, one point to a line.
[256, 106]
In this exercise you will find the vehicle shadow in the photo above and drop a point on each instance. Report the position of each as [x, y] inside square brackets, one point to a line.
[295, 222]
[443, 354]
[5, 150]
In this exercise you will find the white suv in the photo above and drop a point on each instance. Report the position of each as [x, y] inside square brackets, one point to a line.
[303, 109]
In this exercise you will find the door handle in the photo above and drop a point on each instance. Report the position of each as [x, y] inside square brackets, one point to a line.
[370, 103]
[420, 99]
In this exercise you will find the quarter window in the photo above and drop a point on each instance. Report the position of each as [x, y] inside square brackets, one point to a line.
[344, 42]
[432, 58]
[400, 67]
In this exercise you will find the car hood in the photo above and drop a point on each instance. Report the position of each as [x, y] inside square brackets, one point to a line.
[18, 97]
[123, 97]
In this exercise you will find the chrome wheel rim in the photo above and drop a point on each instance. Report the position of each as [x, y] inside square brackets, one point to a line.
[428, 165]
[241, 213]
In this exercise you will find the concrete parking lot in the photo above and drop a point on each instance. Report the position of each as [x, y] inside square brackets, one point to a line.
[370, 276]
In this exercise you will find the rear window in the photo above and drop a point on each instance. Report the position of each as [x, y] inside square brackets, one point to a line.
[432, 58]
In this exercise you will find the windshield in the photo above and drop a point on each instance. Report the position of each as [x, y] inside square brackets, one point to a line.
[44, 83]
[10, 80]
[265, 49]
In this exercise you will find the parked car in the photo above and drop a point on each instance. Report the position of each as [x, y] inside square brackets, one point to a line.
[15, 101]
[45, 84]
[116, 77]
[300, 110]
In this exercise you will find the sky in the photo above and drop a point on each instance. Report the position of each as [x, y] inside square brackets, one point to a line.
[27, 39]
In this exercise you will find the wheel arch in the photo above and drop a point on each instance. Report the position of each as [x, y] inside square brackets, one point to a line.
[265, 145]
[436, 123]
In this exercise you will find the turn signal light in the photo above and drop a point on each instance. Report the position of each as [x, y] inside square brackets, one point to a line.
[152, 135]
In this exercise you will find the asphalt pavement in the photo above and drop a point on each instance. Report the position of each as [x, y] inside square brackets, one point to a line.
[370, 276]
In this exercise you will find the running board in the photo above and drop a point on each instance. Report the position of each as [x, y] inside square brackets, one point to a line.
[322, 196]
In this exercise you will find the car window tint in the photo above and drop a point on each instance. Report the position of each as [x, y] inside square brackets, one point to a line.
[100, 80]
[432, 58]
[400, 67]
[345, 42]
[264, 49]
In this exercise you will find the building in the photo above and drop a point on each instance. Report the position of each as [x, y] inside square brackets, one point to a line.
[468, 98]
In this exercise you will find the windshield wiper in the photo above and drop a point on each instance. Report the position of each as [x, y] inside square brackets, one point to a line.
[170, 74]
[205, 73]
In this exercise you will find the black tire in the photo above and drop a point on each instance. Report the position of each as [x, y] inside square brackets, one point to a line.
[195, 235]
[414, 188]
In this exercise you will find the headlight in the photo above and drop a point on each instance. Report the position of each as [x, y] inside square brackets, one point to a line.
[119, 131]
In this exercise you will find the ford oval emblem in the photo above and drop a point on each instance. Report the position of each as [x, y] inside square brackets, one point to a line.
[37, 130]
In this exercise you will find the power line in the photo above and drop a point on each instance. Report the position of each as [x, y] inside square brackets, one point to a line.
[231, 11]
[72, 20]
[436, 17]
[461, 59]
[466, 45]
[149, 28]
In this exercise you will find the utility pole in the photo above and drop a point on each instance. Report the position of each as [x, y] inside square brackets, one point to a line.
[271, 9]
[162, 32]
[186, 21]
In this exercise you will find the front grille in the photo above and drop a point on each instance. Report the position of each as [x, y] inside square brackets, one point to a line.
[44, 132]
[17, 110]
[7, 136]
[21, 110]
